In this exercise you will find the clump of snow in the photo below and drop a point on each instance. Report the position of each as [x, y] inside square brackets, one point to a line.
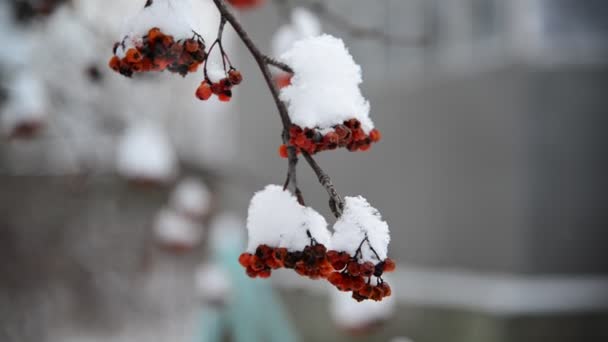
[27, 103]
[275, 218]
[215, 71]
[350, 314]
[304, 24]
[324, 90]
[145, 153]
[172, 17]
[212, 283]
[174, 229]
[192, 197]
[360, 221]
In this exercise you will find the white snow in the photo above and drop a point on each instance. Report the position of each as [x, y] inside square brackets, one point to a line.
[212, 283]
[358, 221]
[304, 24]
[192, 197]
[348, 313]
[27, 104]
[215, 71]
[172, 17]
[145, 152]
[172, 227]
[275, 218]
[325, 88]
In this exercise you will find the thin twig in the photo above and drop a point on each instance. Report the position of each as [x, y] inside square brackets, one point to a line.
[277, 64]
[336, 203]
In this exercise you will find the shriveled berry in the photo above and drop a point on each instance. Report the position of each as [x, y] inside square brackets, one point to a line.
[235, 77]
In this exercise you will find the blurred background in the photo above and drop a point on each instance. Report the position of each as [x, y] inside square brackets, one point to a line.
[123, 201]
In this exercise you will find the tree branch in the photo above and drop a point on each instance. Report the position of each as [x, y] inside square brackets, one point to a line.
[336, 203]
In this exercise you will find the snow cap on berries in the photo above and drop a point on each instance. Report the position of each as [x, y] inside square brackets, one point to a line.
[175, 18]
[276, 219]
[360, 221]
[324, 90]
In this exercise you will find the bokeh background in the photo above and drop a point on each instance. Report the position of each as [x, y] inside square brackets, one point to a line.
[491, 174]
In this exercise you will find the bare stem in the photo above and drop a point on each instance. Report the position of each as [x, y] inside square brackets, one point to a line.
[336, 203]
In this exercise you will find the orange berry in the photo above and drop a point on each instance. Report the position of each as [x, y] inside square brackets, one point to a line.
[114, 63]
[204, 91]
[154, 34]
[224, 97]
[364, 147]
[191, 45]
[389, 265]
[133, 56]
[283, 81]
[375, 135]
[245, 259]
[283, 152]
[264, 274]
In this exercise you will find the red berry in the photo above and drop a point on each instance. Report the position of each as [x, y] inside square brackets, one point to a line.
[204, 91]
[367, 269]
[283, 151]
[353, 268]
[375, 135]
[191, 45]
[264, 274]
[235, 77]
[389, 265]
[245, 259]
[224, 97]
[114, 63]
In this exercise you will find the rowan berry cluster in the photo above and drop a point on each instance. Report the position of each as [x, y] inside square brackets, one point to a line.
[245, 4]
[311, 262]
[349, 135]
[158, 51]
[316, 262]
[350, 276]
[222, 88]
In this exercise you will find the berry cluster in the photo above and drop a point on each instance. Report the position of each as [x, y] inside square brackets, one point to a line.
[350, 276]
[311, 262]
[223, 88]
[246, 4]
[316, 262]
[157, 52]
[349, 135]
